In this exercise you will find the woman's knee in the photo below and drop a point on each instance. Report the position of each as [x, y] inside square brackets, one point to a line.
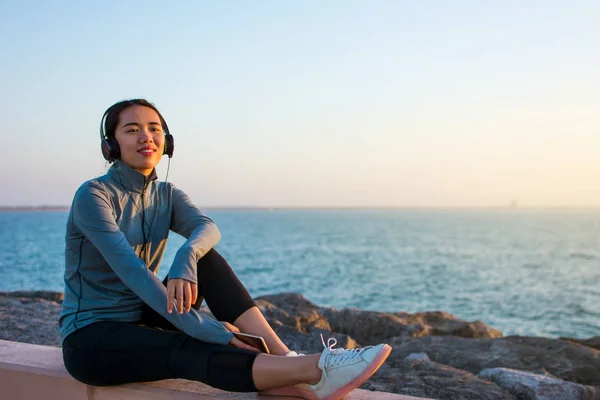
[213, 258]
[231, 370]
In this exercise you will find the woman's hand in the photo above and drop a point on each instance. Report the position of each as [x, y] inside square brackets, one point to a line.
[235, 342]
[181, 292]
[230, 327]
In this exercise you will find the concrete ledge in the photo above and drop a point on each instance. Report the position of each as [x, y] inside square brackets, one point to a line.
[29, 371]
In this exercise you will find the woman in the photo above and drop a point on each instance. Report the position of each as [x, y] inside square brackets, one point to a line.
[120, 324]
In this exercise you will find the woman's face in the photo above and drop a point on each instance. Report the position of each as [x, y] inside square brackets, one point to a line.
[141, 138]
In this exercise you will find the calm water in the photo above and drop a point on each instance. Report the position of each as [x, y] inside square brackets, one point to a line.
[523, 272]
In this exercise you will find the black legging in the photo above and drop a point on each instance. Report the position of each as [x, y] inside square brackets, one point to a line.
[113, 353]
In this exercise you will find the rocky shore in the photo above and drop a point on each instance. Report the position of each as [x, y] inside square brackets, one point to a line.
[434, 355]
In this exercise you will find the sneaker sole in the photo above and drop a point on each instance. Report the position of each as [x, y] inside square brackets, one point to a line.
[304, 391]
[366, 374]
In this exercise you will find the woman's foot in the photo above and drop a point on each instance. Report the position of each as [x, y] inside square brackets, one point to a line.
[341, 372]
[345, 370]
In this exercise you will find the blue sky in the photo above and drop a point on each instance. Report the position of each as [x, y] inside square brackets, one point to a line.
[306, 103]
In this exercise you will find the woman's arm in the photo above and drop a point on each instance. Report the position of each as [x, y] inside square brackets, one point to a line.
[93, 216]
[200, 231]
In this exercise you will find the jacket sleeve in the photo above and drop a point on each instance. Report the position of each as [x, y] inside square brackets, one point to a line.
[200, 231]
[93, 216]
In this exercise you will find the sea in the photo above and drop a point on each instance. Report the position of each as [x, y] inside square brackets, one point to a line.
[522, 271]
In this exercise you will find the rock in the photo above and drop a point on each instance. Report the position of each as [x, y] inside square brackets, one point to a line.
[36, 295]
[24, 317]
[370, 327]
[444, 369]
[591, 342]
[543, 372]
[291, 309]
[272, 311]
[367, 327]
[440, 323]
[311, 342]
[304, 324]
[321, 323]
[529, 386]
[418, 357]
[564, 359]
[422, 378]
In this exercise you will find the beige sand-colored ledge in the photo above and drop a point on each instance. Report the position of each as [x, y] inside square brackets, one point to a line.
[29, 371]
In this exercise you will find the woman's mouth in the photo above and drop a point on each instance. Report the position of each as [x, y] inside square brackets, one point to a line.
[146, 152]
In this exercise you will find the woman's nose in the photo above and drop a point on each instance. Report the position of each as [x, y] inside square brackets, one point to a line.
[145, 136]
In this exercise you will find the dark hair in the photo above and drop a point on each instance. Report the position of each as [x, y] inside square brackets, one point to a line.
[113, 114]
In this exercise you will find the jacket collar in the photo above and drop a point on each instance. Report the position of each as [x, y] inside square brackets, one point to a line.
[131, 179]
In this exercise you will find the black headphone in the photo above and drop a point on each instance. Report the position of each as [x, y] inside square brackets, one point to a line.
[110, 147]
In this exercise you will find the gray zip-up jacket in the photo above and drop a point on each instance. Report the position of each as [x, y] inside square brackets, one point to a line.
[108, 274]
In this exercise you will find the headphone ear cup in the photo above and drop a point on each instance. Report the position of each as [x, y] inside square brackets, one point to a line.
[110, 149]
[169, 145]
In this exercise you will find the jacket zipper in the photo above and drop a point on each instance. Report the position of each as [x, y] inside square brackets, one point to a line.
[144, 223]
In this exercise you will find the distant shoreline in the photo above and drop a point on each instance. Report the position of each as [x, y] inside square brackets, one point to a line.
[341, 208]
[34, 208]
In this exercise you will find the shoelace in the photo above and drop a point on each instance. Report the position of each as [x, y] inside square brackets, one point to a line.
[339, 356]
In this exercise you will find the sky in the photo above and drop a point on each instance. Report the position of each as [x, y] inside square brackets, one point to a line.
[312, 103]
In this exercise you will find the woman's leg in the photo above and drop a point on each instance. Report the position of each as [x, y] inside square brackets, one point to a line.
[270, 372]
[229, 300]
[113, 353]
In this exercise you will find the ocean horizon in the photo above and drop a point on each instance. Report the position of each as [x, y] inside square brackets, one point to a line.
[523, 271]
[592, 208]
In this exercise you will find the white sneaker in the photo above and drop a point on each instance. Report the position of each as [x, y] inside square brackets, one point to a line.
[342, 371]
[345, 370]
